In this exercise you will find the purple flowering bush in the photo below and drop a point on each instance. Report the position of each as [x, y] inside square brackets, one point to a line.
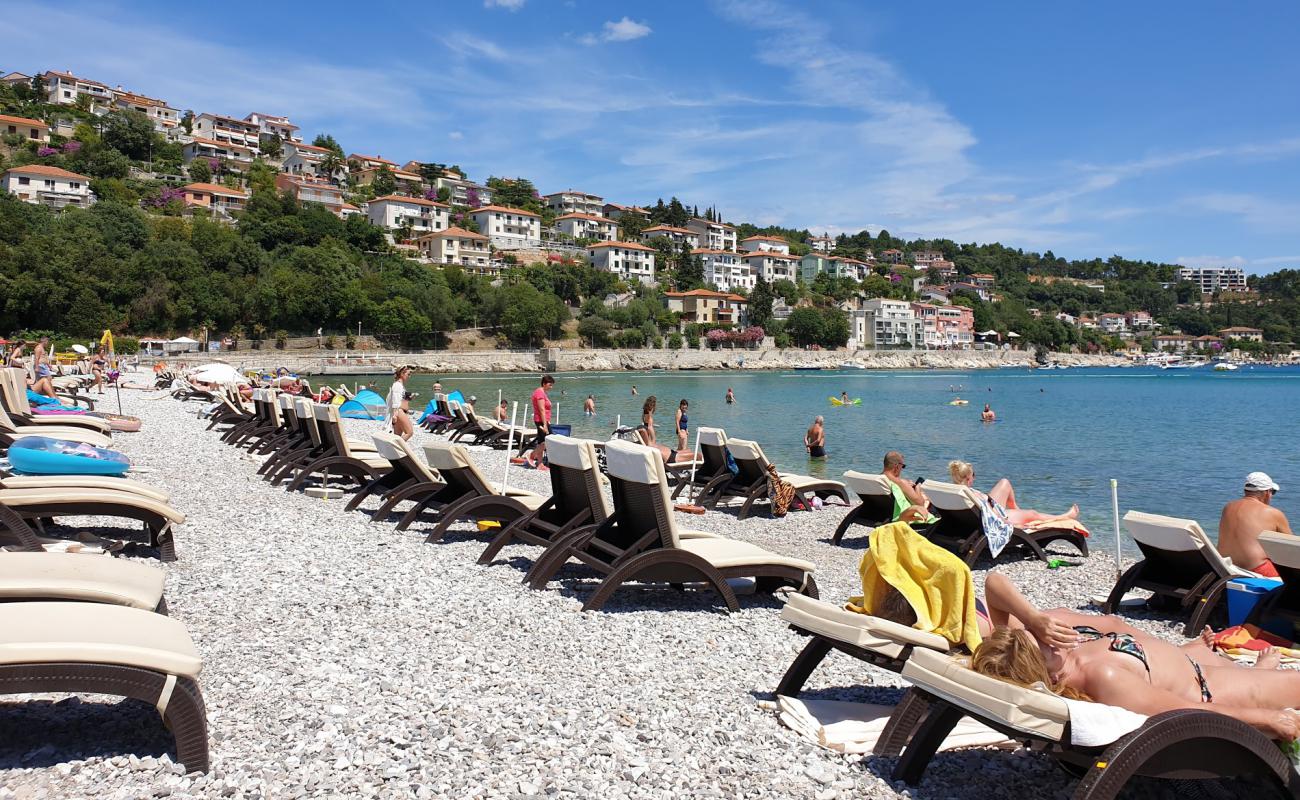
[47, 151]
[71, 146]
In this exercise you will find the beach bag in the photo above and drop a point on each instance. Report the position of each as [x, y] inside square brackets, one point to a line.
[732, 466]
[781, 492]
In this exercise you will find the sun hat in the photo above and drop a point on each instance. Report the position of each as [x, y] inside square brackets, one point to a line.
[1260, 482]
[472, 398]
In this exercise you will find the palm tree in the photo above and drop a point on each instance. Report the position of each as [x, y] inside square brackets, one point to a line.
[331, 165]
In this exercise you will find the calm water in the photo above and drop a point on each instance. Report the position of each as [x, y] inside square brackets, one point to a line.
[1179, 442]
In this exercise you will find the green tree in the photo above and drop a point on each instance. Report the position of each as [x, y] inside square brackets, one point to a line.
[805, 326]
[384, 183]
[760, 304]
[273, 146]
[128, 132]
[199, 171]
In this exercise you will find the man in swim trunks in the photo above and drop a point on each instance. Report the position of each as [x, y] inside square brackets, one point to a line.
[814, 441]
[1245, 518]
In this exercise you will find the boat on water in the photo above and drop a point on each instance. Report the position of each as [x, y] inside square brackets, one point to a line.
[1225, 366]
[807, 368]
[850, 365]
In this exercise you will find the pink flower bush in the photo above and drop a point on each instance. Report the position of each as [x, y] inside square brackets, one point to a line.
[46, 151]
[72, 146]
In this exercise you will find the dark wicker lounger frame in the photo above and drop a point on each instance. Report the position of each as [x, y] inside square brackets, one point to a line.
[467, 495]
[962, 532]
[713, 477]
[874, 510]
[1283, 601]
[335, 457]
[751, 482]
[407, 473]
[159, 528]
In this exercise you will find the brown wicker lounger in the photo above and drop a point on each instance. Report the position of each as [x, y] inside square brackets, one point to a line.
[876, 507]
[475, 497]
[106, 649]
[81, 577]
[712, 476]
[1283, 550]
[339, 456]
[961, 528]
[158, 518]
[576, 498]
[13, 390]
[641, 541]
[751, 482]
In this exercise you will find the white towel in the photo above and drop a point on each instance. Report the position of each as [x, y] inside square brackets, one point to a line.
[1097, 724]
[856, 727]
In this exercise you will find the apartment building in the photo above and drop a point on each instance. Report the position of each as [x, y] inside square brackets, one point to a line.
[587, 226]
[1214, 279]
[890, 256]
[707, 307]
[766, 244]
[629, 260]
[983, 280]
[199, 147]
[409, 182]
[220, 200]
[814, 264]
[772, 265]
[615, 211]
[47, 186]
[422, 216]
[31, 129]
[713, 235]
[1238, 333]
[508, 228]
[678, 236]
[227, 130]
[269, 125]
[724, 269]
[955, 327]
[1113, 324]
[1139, 320]
[571, 201]
[844, 267]
[63, 88]
[164, 117]
[821, 244]
[309, 189]
[297, 158]
[458, 246]
[884, 323]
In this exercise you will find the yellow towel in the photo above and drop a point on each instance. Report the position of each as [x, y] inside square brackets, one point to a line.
[936, 582]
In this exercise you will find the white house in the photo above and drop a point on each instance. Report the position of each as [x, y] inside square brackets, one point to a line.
[63, 88]
[213, 197]
[508, 228]
[821, 244]
[629, 260]
[713, 235]
[677, 236]
[297, 158]
[30, 129]
[227, 130]
[571, 201]
[309, 189]
[164, 117]
[48, 186]
[458, 246]
[461, 190]
[772, 265]
[420, 215]
[587, 226]
[616, 211]
[199, 147]
[1214, 279]
[885, 323]
[774, 244]
[1113, 324]
[269, 125]
[724, 269]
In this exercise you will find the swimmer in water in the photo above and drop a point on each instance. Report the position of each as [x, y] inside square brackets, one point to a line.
[987, 414]
[731, 397]
[814, 441]
[589, 406]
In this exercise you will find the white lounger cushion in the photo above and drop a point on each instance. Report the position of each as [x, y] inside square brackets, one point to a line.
[949, 496]
[1034, 712]
[82, 435]
[565, 451]
[1282, 549]
[723, 553]
[395, 448]
[90, 633]
[746, 450]
[864, 484]
[443, 455]
[83, 482]
[1176, 535]
[75, 576]
[20, 498]
[861, 630]
[711, 437]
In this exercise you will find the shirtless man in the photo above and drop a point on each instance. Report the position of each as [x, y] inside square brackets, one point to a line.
[814, 441]
[1244, 519]
[894, 466]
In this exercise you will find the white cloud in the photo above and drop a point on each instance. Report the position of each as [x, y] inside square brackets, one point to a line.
[1210, 261]
[625, 30]
[456, 135]
[509, 5]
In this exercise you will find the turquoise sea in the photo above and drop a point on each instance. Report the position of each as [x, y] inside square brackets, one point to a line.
[1179, 442]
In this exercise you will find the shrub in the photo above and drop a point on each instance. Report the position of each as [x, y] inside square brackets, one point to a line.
[330, 344]
[657, 342]
[693, 340]
[675, 341]
[782, 339]
[350, 342]
[631, 338]
[126, 346]
[281, 339]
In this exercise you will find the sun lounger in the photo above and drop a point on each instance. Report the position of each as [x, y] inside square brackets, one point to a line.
[576, 498]
[1184, 744]
[411, 480]
[879, 504]
[81, 577]
[83, 482]
[960, 527]
[1179, 564]
[641, 542]
[289, 444]
[475, 497]
[11, 432]
[339, 456]
[108, 649]
[752, 481]
[13, 389]
[158, 518]
[1283, 549]
[712, 474]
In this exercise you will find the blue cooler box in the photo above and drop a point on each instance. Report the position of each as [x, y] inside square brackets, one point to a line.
[1244, 594]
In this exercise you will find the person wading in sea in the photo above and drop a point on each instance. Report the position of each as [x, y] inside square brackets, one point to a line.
[814, 441]
[1245, 518]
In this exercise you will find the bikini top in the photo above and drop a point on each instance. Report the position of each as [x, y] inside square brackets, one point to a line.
[1119, 643]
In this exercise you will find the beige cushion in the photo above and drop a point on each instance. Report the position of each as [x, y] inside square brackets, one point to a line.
[1282, 549]
[715, 437]
[723, 553]
[83, 482]
[801, 482]
[565, 451]
[374, 462]
[1032, 711]
[530, 501]
[89, 633]
[83, 435]
[444, 455]
[633, 462]
[868, 632]
[950, 496]
[70, 421]
[82, 577]
[1177, 535]
[21, 498]
[868, 485]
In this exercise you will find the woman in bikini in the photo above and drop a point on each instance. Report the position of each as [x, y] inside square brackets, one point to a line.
[683, 425]
[1004, 496]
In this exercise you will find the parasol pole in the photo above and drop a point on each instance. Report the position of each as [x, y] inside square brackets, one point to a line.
[1114, 505]
[695, 459]
[510, 444]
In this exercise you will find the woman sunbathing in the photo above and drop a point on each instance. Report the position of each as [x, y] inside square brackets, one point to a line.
[1084, 657]
[1004, 496]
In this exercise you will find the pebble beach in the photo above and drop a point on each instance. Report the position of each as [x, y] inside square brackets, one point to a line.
[342, 658]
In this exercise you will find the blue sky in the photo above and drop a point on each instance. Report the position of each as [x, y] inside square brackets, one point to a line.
[1160, 130]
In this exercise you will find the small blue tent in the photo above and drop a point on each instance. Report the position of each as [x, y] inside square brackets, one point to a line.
[366, 405]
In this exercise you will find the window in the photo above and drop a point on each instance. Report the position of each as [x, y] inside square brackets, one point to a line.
[49, 184]
[24, 181]
[75, 185]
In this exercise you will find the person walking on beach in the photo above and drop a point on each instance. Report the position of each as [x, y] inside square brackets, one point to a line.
[893, 470]
[647, 427]
[731, 397]
[41, 372]
[589, 406]
[399, 404]
[814, 441]
[541, 403]
[681, 423]
[987, 414]
[1245, 518]
[97, 368]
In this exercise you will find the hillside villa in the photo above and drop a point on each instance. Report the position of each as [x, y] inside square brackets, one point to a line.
[220, 200]
[47, 186]
[508, 228]
[629, 260]
[458, 246]
[394, 212]
[708, 307]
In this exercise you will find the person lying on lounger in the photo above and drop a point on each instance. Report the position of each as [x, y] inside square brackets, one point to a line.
[1004, 496]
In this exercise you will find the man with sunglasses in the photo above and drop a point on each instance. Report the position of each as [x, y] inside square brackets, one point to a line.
[920, 504]
[1245, 518]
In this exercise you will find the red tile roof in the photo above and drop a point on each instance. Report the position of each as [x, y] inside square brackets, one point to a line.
[23, 121]
[591, 217]
[41, 169]
[419, 201]
[668, 229]
[377, 159]
[704, 251]
[453, 231]
[214, 188]
[769, 254]
[505, 210]
[761, 238]
[707, 293]
[625, 245]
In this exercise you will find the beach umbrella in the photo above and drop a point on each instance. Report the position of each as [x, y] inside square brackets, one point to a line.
[1012, 335]
[218, 373]
[80, 348]
[987, 333]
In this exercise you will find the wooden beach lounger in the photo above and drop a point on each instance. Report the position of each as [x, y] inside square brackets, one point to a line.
[108, 649]
[1180, 565]
[158, 517]
[1183, 744]
[576, 498]
[751, 482]
[468, 495]
[961, 528]
[81, 577]
[641, 541]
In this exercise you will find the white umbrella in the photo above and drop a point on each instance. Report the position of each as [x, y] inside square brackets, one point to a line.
[1013, 334]
[987, 333]
[80, 348]
[217, 373]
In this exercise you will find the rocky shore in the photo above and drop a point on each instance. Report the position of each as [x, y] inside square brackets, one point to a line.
[345, 659]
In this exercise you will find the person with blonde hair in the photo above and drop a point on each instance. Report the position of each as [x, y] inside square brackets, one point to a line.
[1004, 496]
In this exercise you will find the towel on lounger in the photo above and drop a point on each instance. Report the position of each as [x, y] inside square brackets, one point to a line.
[1097, 724]
[856, 727]
[935, 582]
